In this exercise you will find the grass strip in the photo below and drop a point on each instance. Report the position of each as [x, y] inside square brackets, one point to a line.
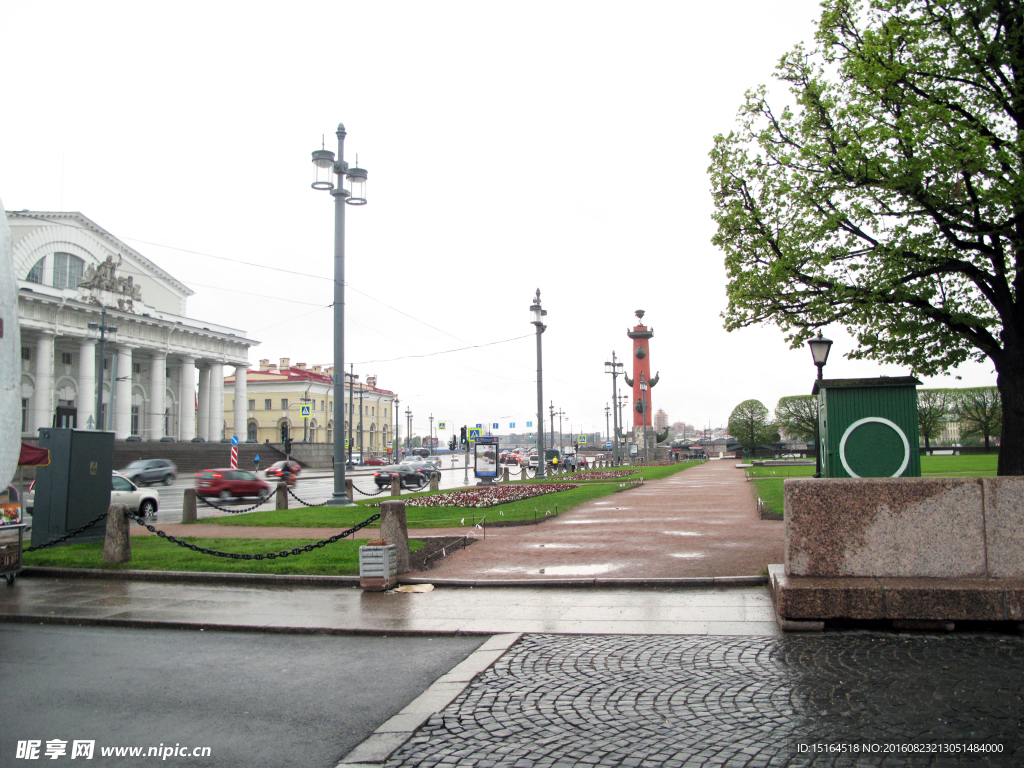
[420, 517]
[647, 473]
[150, 553]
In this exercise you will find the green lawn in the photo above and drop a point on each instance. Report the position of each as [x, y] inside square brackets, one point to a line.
[150, 553]
[647, 473]
[421, 517]
[769, 479]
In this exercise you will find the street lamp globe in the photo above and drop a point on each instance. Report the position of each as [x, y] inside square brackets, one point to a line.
[356, 185]
[820, 347]
[537, 314]
[323, 169]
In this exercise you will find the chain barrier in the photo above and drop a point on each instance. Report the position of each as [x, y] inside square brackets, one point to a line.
[263, 500]
[266, 556]
[305, 503]
[373, 493]
[66, 536]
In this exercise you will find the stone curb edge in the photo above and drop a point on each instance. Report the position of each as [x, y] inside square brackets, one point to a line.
[207, 577]
[378, 747]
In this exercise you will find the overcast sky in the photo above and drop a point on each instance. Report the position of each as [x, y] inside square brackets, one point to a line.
[510, 146]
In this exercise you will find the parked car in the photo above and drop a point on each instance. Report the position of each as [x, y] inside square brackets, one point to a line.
[376, 461]
[122, 491]
[533, 462]
[275, 469]
[413, 474]
[150, 471]
[230, 483]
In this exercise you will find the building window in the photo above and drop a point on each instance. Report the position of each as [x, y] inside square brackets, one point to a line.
[250, 432]
[267, 405]
[24, 414]
[135, 419]
[137, 367]
[252, 405]
[67, 270]
[167, 421]
[66, 358]
[106, 363]
[321, 405]
[35, 275]
[332, 411]
[284, 404]
[26, 353]
[330, 435]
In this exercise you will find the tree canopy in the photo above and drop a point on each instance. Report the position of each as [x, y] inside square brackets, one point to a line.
[749, 425]
[934, 408]
[890, 198]
[796, 416]
[980, 413]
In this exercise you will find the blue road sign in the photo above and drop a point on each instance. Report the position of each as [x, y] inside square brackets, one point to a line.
[441, 425]
[529, 423]
[474, 434]
[234, 439]
[581, 439]
[479, 426]
[495, 425]
[512, 425]
[307, 411]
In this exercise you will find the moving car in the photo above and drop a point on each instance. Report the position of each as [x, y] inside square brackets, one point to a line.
[274, 470]
[122, 491]
[376, 461]
[230, 483]
[150, 471]
[413, 474]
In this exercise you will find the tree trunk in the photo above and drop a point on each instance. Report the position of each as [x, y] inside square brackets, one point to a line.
[1010, 382]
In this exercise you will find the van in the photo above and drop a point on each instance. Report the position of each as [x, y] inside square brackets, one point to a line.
[422, 452]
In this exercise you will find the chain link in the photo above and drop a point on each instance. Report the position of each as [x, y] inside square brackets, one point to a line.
[263, 500]
[66, 536]
[364, 493]
[306, 503]
[266, 556]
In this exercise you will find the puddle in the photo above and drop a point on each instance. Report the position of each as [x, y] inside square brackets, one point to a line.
[558, 570]
[683, 533]
[591, 522]
[555, 546]
[688, 555]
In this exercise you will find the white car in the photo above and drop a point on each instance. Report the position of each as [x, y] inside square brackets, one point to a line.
[122, 491]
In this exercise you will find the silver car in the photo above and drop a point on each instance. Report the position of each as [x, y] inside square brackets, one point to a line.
[122, 491]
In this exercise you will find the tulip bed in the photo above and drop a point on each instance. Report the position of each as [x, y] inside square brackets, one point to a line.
[612, 474]
[490, 496]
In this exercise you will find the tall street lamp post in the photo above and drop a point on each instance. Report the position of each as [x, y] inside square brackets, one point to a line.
[607, 415]
[326, 167]
[431, 435]
[351, 404]
[820, 347]
[397, 440]
[408, 430]
[104, 329]
[537, 314]
[643, 400]
[615, 368]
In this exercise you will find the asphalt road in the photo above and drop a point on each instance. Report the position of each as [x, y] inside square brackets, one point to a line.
[255, 700]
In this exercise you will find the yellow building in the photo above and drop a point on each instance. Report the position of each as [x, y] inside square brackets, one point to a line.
[276, 396]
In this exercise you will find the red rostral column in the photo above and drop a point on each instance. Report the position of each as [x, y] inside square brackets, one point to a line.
[641, 336]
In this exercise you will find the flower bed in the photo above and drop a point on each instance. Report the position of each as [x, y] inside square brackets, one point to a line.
[612, 474]
[490, 496]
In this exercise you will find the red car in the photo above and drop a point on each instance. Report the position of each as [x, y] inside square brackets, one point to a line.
[274, 470]
[376, 461]
[230, 483]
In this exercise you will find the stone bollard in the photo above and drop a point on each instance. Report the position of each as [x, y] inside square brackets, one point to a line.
[117, 544]
[396, 485]
[394, 531]
[433, 482]
[348, 489]
[282, 496]
[188, 506]
[505, 475]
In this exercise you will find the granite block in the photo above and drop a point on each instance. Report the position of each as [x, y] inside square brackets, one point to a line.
[1015, 602]
[1004, 526]
[885, 527]
[944, 599]
[805, 598]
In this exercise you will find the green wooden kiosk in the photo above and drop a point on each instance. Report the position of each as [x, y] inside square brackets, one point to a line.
[868, 427]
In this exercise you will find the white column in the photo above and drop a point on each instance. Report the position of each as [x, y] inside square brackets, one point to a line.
[123, 393]
[187, 399]
[204, 402]
[42, 399]
[86, 400]
[157, 395]
[241, 403]
[216, 401]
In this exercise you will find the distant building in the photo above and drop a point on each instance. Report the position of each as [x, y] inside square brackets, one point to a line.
[276, 395]
[660, 420]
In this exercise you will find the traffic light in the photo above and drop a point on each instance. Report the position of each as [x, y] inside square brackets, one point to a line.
[451, 444]
[287, 445]
[463, 442]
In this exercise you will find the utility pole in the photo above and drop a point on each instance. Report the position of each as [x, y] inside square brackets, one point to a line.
[430, 434]
[104, 329]
[361, 458]
[398, 441]
[408, 431]
[607, 428]
[351, 400]
[551, 421]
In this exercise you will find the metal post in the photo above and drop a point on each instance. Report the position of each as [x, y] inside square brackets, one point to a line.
[817, 429]
[339, 497]
[539, 325]
[351, 401]
[643, 396]
[397, 440]
[361, 457]
[408, 431]
[431, 434]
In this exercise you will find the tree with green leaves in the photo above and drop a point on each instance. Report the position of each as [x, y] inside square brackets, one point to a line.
[934, 407]
[890, 198]
[796, 416]
[980, 413]
[750, 426]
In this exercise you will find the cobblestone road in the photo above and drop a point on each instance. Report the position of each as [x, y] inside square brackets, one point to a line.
[561, 701]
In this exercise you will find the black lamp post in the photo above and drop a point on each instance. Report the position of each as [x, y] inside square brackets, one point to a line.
[537, 319]
[820, 347]
[643, 396]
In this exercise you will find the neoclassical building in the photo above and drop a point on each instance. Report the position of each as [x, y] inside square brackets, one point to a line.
[73, 274]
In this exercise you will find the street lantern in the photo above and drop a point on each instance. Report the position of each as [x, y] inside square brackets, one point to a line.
[323, 169]
[820, 347]
[537, 318]
[356, 185]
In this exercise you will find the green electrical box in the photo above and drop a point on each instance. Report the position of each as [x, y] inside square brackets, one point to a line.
[868, 427]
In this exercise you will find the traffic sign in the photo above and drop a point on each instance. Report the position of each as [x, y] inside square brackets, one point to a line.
[441, 425]
[480, 426]
[495, 425]
[581, 439]
[474, 434]
[512, 425]
[346, 442]
[307, 411]
[234, 439]
[529, 423]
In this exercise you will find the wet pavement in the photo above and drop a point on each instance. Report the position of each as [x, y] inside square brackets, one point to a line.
[849, 699]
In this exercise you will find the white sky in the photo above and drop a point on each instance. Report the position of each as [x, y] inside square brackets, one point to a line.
[510, 146]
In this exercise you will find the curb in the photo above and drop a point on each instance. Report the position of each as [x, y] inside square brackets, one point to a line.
[206, 577]
[389, 737]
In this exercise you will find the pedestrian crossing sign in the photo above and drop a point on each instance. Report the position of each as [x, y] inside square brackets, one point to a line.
[442, 425]
[581, 439]
[474, 434]
[307, 411]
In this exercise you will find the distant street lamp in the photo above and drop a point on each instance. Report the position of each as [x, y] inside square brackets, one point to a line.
[408, 431]
[325, 168]
[537, 315]
[820, 347]
[615, 368]
[104, 329]
[643, 399]
[397, 439]
[351, 404]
